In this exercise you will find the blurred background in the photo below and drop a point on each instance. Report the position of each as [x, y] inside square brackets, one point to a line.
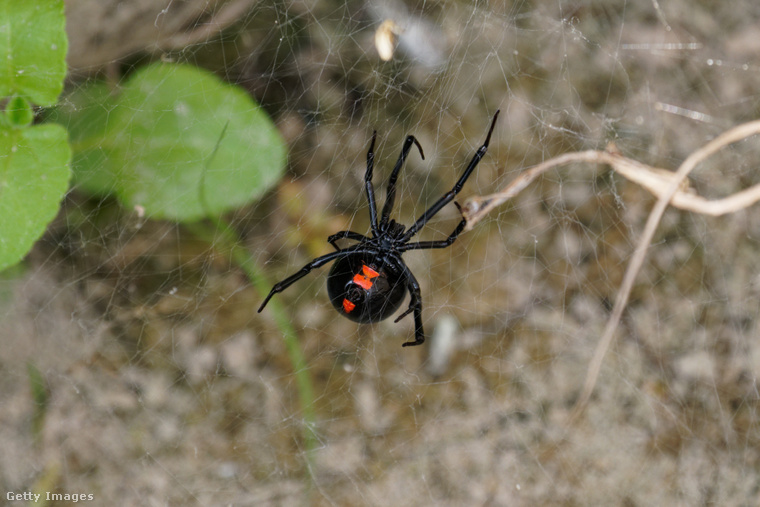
[135, 367]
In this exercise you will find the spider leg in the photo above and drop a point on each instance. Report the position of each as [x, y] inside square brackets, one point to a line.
[426, 245]
[318, 262]
[345, 234]
[391, 193]
[415, 304]
[449, 196]
[369, 187]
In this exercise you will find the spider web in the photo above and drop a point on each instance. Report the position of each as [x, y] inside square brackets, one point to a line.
[164, 387]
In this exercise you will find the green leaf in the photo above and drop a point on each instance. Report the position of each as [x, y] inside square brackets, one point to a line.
[33, 48]
[85, 113]
[34, 177]
[19, 112]
[154, 149]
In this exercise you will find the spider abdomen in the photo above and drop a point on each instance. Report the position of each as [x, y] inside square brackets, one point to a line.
[363, 289]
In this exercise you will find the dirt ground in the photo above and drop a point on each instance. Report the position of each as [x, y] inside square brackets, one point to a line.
[135, 368]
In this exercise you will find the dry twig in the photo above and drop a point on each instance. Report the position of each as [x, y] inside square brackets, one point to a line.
[670, 188]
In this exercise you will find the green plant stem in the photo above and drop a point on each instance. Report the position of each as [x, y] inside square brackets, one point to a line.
[225, 239]
[40, 398]
[222, 236]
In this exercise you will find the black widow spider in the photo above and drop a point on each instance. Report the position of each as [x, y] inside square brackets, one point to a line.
[368, 280]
